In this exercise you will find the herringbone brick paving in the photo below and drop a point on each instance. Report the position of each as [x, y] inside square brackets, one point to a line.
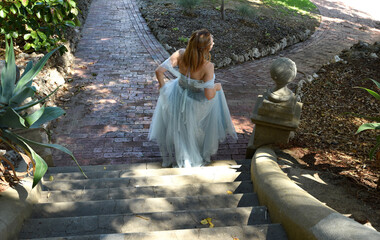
[107, 122]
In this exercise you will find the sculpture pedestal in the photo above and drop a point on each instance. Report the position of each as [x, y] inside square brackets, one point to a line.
[274, 122]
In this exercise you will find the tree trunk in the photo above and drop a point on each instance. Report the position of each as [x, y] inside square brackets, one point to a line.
[222, 9]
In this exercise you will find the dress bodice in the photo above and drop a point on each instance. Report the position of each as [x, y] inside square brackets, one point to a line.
[186, 82]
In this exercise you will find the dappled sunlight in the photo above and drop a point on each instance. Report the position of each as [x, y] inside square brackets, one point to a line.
[364, 8]
[315, 177]
[362, 13]
[242, 124]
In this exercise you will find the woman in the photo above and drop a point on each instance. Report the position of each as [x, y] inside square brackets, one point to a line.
[191, 116]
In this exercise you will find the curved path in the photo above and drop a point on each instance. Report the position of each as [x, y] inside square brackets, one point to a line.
[108, 119]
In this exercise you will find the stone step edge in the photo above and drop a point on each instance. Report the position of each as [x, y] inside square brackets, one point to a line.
[245, 200]
[234, 231]
[133, 181]
[144, 172]
[53, 227]
[133, 177]
[45, 193]
[157, 198]
[149, 213]
[149, 165]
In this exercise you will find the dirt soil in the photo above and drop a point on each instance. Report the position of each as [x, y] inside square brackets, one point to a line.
[237, 34]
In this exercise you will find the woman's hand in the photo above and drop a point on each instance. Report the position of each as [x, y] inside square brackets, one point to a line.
[217, 86]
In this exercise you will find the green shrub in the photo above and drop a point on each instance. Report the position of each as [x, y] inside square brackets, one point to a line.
[246, 11]
[15, 90]
[183, 39]
[37, 24]
[188, 5]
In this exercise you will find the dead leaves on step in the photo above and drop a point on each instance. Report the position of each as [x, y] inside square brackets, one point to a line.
[207, 221]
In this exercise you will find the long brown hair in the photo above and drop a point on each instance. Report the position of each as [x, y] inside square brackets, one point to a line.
[198, 49]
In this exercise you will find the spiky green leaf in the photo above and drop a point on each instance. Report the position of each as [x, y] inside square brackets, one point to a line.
[55, 146]
[27, 79]
[41, 166]
[43, 115]
[377, 83]
[17, 99]
[31, 104]
[368, 126]
[11, 119]
[373, 93]
[8, 74]
[27, 68]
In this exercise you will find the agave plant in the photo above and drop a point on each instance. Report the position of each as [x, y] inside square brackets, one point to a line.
[375, 125]
[15, 90]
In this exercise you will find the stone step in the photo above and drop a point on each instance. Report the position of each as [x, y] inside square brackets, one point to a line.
[196, 189]
[107, 173]
[123, 206]
[212, 177]
[136, 166]
[144, 222]
[255, 232]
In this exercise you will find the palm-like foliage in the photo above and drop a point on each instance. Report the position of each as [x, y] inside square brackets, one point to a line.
[372, 126]
[14, 92]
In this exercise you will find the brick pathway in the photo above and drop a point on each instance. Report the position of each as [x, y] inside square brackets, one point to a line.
[107, 122]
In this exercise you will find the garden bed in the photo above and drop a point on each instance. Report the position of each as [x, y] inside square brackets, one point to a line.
[249, 31]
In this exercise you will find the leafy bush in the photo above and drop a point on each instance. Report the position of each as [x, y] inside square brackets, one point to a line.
[37, 24]
[15, 90]
[183, 39]
[372, 126]
[188, 5]
[246, 11]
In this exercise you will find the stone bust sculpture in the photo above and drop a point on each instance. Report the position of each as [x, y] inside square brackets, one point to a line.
[282, 71]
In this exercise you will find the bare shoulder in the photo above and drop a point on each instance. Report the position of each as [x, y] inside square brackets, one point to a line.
[181, 51]
[208, 71]
[209, 66]
[178, 53]
[176, 56]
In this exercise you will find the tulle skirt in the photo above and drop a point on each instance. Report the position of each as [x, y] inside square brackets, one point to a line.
[188, 127]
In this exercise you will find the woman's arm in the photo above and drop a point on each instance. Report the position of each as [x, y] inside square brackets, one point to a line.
[174, 58]
[160, 76]
[211, 92]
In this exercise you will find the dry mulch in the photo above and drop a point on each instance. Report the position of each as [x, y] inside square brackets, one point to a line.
[333, 109]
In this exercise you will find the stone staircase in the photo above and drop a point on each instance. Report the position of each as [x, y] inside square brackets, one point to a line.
[145, 201]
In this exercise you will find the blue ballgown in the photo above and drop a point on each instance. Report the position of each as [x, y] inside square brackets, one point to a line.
[186, 125]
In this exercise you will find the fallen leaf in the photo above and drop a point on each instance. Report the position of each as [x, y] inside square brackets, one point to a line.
[204, 222]
[48, 194]
[235, 238]
[229, 192]
[207, 221]
[105, 168]
[51, 178]
[147, 219]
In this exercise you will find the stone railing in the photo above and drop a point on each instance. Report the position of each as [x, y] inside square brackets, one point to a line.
[276, 115]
